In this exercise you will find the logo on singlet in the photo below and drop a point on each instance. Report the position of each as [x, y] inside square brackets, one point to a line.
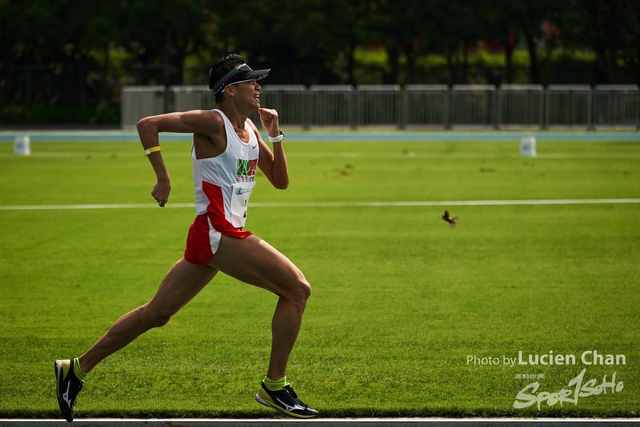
[246, 170]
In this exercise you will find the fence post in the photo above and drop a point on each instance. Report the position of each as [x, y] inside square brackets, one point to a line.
[637, 110]
[447, 103]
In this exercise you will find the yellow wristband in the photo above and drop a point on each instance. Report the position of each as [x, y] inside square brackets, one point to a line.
[151, 150]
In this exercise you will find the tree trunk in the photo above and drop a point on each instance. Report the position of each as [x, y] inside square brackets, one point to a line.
[611, 29]
[351, 64]
[534, 67]
[509, 47]
[394, 63]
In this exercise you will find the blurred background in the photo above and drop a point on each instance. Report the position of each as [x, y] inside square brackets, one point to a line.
[66, 62]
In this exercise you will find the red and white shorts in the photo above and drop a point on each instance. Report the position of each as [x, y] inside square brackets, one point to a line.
[203, 239]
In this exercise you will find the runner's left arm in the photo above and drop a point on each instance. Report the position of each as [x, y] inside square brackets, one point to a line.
[272, 163]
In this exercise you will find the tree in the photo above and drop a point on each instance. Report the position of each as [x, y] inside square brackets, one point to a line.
[631, 37]
[496, 22]
[67, 52]
[90, 28]
[456, 29]
[162, 34]
[396, 26]
[301, 41]
[611, 29]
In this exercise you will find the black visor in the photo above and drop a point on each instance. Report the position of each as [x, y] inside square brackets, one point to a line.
[239, 74]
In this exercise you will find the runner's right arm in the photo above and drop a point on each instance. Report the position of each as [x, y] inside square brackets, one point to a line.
[197, 122]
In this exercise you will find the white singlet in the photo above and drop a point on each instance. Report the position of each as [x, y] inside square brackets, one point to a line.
[223, 184]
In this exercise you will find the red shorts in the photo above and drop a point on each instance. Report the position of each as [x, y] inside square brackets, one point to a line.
[203, 240]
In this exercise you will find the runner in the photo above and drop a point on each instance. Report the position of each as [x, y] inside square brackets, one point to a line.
[227, 149]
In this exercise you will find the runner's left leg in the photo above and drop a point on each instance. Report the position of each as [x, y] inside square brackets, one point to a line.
[183, 282]
[254, 261]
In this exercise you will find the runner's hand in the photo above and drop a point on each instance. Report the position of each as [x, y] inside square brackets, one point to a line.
[269, 119]
[161, 192]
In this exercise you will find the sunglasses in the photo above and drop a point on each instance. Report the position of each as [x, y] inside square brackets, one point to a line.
[253, 81]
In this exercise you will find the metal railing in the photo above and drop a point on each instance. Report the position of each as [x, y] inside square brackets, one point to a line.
[141, 101]
[520, 105]
[473, 105]
[425, 106]
[568, 105]
[615, 105]
[414, 106]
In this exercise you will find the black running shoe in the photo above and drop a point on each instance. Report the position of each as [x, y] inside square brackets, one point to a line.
[285, 400]
[67, 386]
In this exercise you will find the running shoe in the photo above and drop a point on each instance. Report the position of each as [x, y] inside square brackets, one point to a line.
[285, 400]
[67, 386]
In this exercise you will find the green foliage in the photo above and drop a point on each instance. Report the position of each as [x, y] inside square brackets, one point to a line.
[104, 45]
[400, 300]
[103, 113]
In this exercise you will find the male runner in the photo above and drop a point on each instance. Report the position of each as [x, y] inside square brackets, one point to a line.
[227, 148]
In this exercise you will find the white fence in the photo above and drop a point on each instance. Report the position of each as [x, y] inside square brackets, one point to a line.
[414, 106]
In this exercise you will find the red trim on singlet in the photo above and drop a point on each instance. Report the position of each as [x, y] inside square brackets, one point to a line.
[216, 201]
[216, 212]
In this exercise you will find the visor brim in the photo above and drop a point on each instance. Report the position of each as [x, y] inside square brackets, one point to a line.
[253, 74]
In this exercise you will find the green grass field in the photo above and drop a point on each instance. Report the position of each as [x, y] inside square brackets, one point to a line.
[402, 305]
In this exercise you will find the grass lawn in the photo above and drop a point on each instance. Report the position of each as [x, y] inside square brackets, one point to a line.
[408, 317]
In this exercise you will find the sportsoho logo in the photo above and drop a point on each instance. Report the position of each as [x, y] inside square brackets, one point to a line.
[576, 388]
[579, 387]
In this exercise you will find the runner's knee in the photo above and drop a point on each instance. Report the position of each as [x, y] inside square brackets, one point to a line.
[160, 321]
[301, 291]
[155, 318]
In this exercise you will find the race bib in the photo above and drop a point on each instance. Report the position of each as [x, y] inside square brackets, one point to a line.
[241, 191]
